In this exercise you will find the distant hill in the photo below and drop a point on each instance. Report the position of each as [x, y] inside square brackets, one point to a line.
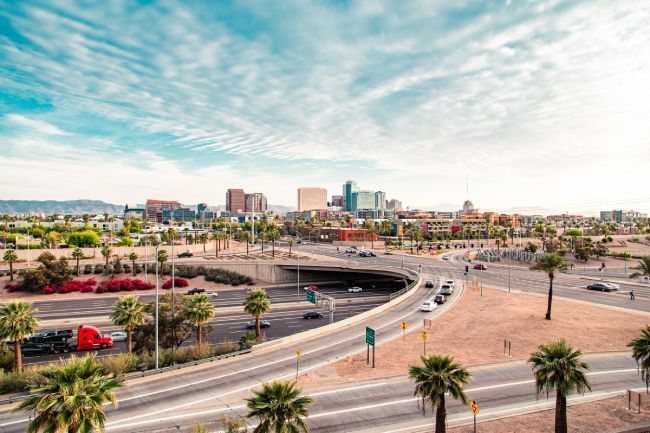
[70, 207]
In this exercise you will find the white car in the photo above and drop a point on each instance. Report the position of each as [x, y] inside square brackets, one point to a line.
[446, 289]
[445, 257]
[613, 286]
[211, 294]
[428, 306]
[355, 289]
[451, 283]
[118, 336]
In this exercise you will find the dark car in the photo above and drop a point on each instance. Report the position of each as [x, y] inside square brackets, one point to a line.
[263, 324]
[367, 254]
[603, 287]
[480, 267]
[428, 284]
[31, 348]
[439, 298]
[312, 315]
[195, 291]
[52, 335]
[185, 254]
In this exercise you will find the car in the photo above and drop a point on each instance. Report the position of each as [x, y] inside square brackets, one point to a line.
[212, 294]
[603, 287]
[439, 298]
[446, 289]
[313, 288]
[367, 254]
[428, 306]
[195, 291]
[452, 283]
[263, 324]
[613, 286]
[351, 250]
[445, 257]
[355, 289]
[388, 252]
[312, 315]
[118, 336]
[428, 284]
[30, 348]
[185, 254]
[480, 267]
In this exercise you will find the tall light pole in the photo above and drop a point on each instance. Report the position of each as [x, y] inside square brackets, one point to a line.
[29, 251]
[146, 259]
[298, 283]
[157, 284]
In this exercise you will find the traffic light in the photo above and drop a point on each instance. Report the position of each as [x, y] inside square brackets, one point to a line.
[466, 269]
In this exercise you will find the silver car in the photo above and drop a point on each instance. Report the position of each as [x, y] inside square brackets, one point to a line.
[118, 336]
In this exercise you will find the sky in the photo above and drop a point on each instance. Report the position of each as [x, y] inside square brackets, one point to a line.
[541, 104]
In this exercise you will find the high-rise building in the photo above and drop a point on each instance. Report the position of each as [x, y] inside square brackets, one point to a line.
[338, 201]
[364, 199]
[394, 204]
[154, 209]
[380, 200]
[255, 202]
[235, 200]
[312, 199]
[349, 188]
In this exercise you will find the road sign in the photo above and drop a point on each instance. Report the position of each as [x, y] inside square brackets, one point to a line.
[298, 353]
[370, 336]
[311, 296]
[403, 326]
[425, 336]
[474, 406]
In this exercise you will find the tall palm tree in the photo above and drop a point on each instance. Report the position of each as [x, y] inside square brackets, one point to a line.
[280, 407]
[643, 268]
[17, 321]
[291, 243]
[133, 257]
[10, 257]
[203, 238]
[216, 237]
[106, 252]
[128, 313]
[77, 254]
[262, 237]
[274, 236]
[257, 304]
[549, 263]
[439, 375]
[199, 311]
[71, 398]
[641, 352]
[246, 236]
[558, 366]
[162, 258]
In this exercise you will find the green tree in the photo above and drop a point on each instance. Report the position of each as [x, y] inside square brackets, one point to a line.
[162, 258]
[643, 268]
[257, 304]
[274, 236]
[126, 242]
[246, 237]
[199, 311]
[128, 313]
[106, 252]
[291, 242]
[77, 254]
[17, 321]
[558, 366]
[551, 263]
[173, 325]
[133, 256]
[439, 375]
[71, 398]
[10, 257]
[83, 239]
[641, 353]
[280, 407]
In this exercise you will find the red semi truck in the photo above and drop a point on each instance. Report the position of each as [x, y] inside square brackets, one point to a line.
[89, 338]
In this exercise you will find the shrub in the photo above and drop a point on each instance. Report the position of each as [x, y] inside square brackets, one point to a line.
[138, 268]
[19, 381]
[7, 360]
[77, 286]
[178, 282]
[88, 269]
[126, 284]
[99, 269]
[226, 347]
[13, 287]
[118, 364]
[48, 290]
[126, 268]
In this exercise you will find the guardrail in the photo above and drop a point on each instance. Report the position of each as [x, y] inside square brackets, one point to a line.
[405, 289]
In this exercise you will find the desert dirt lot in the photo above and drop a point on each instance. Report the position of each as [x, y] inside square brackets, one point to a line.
[598, 416]
[474, 330]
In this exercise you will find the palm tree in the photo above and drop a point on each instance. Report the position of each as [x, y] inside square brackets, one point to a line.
[262, 237]
[549, 263]
[162, 258]
[77, 254]
[280, 407]
[291, 243]
[641, 352]
[246, 236]
[127, 314]
[439, 375]
[217, 240]
[133, 257]
[17, 321]
[643, 268]
[558, 366]
[274, 235]
[203, 238]
[10, 257]
[257, 303]
[106, 252]
[71, 397]
[199, 311]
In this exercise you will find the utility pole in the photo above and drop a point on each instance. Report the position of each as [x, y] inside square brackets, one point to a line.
[157, 284]
[298, 283]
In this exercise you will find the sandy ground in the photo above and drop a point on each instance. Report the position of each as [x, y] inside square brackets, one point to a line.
[599, 416]
[474, 331]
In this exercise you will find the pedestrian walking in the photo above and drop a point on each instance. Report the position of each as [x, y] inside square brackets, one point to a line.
[632, 298]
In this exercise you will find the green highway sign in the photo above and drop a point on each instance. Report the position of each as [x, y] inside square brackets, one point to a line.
[370, 336]
[311, 296]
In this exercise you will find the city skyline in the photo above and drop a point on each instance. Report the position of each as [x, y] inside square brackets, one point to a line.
[530, 102]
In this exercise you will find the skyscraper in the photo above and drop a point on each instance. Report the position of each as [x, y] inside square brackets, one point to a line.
[235, 200]
[312, 199]
[257, 199]
[364, 199]
[338, 200]
[380, 200]
[349, 188]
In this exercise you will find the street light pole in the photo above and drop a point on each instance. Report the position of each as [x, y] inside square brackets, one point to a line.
[157, 284]
[298, 284]
[146, 259]
[29, 251]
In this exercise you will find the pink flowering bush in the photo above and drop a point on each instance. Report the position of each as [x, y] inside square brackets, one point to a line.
[178, 282]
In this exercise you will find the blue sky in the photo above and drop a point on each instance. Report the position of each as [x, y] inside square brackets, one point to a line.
[543, 103]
